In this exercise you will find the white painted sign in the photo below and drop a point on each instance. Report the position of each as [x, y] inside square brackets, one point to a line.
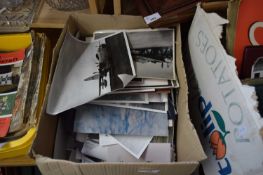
[230, 126]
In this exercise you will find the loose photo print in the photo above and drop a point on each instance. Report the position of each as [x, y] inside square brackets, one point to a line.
[152, 51]
[105, 65]
[152, 83]
[100, 119]
[124, 98]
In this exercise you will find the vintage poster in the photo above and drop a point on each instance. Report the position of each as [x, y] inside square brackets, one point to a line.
[229, 125]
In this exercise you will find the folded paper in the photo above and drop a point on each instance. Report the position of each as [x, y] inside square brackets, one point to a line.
[86, 71]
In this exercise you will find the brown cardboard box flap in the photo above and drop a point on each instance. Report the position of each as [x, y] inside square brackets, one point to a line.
[188, 144]
[62, 167]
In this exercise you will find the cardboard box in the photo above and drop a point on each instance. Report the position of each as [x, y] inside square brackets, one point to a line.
[189, 149]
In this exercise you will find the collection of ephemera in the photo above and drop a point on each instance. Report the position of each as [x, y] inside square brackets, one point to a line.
[121, 86]
[20, 76]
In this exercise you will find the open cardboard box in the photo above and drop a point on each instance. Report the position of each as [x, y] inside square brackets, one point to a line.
[189, 149]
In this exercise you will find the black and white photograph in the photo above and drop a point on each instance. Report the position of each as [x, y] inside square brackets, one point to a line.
[152, 51]
[124, 98]
[114, 65]
[152, 83]
[105, 65]
[158, 97]
[133, 90]
[147, 82]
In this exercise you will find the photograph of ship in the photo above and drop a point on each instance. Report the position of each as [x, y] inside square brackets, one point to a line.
[153, 53]
[161, 55]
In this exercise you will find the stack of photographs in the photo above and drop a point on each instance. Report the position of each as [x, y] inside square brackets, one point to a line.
[123, 86]
[152, 51]
[90, 69]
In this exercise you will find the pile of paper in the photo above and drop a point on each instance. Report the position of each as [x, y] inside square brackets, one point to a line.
[122, 85]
